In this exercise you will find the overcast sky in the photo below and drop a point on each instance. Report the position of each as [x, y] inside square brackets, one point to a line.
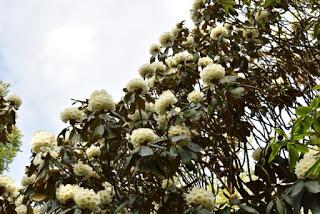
[51, 51]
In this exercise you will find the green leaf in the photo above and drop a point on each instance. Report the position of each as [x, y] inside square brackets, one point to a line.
[248, 209]
[280, 132]
[194, 147]
[75, 138]
[280, 206]
[275, 147]
[303, 111]
[269, 207]
[315, 103]
[99, 131]
[312, 186]
[315, 169]
[293, 156]
[316, 125]
[297, 188]
[145, 151]
[316, 88]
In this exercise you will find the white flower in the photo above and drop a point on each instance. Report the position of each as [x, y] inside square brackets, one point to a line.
[65, 193]
[189, 42]
[197, 4]
[106, 194]
[165, 100]
[41, 140]
[159, 66]
[170, 62]
[142, 136]
[165, 39]
[204, 61]
[200, 196]
[146, 70]
[178, 130]
[303, 166]
[16, 100]
[36, 210]
[38, 161]
[195, 96]
[137, 85]
[9, 185]
[256, 155]
[87, 199]
[155, 49]
[261, 16]
[241, 75]
[93, 151]
[175, 31]
[81, 169]
[21, 209]
[182, 57]
[71, 114]
[212, 72]
[218, 32]
[27, 180]
[162, 121]
[249, 33]
[278, 81]
[151, 81]
[101, 100]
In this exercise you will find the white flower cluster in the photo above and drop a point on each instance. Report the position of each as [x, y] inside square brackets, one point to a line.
[166, 99]
[142, 136]
[81, 169]
[21, 209]
[159, 67]
[87, 199]
[100, 100]
[197, 4]
[27, 180]
[212, 72]
[218, 32]
[182, 57]
[71, 114]
[42, 140]
[10, 188]
[200, 196]
[195, 96]
[189, 41]
[166, 39]
[138, 115]
[146, 70]
[106, 194]
[93, 151]
[15, 99]
[155, 49]
[306, 163]
[249, 33]
[64, 193]
[137, 85]
[178, 130]
[204, 61]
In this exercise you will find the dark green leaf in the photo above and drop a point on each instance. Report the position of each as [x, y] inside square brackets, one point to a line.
[312, 186]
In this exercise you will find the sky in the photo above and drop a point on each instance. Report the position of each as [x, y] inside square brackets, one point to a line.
[52, 51]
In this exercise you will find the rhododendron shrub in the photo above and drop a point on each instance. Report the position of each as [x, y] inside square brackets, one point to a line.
[181, 138]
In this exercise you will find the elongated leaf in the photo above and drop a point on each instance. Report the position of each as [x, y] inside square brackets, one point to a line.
[312, 186]
[145, 151]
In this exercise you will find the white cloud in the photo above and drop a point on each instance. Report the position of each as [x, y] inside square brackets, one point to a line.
[56, 50]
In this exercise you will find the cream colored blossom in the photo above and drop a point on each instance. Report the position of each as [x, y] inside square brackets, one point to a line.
[197, 4]
[204, 61]
[162, 121]
[81, 169]
[182, 57]
[278, 81]
[195, 96]
[87, 199]
[142, 136]
[170, 62]
[36, 210]
[106, 194]
[257, 154]
[21, 209]
[189, 41]
[93, 151]
[178, 130]
[27, 180]
[101, 100]
[166, 39]
[167, 183]
[65, 193]
[138, 115]
[151, 81]
[165, 100]
[237, 91]
[155, 49]
[146, 70]
[212, 72]
[218, 32]
[137, 85]
[200, 196]
[15, 99]
[159, 67]
[71, 114]
[306, 163]
[10, 188]
[41, 140]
